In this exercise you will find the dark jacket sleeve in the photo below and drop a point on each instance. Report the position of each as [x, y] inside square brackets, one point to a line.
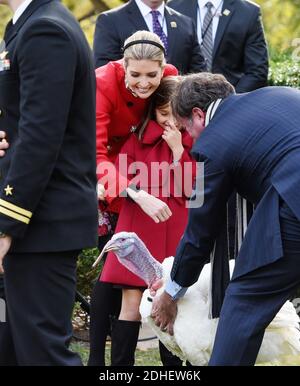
[204, 224]
[47, 61]
[107, 44]
[197, 63]
[255, 58]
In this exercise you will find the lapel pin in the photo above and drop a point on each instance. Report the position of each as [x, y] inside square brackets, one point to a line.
[226, 12]
[3, 55]
[173, 24]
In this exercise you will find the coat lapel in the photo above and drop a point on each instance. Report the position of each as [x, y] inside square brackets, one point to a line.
[191, 9]
[13, 30]
[172, 28]
[228, 5]
[135, 16]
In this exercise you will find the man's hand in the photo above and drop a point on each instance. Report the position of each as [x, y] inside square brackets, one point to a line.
[3, 144]
[164, 311]
[5, 243]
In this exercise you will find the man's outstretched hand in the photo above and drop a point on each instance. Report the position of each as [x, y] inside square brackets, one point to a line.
[164, 311]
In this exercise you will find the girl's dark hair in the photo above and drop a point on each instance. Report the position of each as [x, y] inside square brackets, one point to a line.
[163, 95]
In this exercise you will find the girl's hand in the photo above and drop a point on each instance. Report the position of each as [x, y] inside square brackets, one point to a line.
[152, 206]
[100, 192]
[173, 138]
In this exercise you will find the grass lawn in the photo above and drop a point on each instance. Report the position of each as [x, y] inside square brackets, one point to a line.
[149, 357]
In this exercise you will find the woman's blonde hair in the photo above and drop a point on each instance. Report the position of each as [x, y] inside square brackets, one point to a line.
[144, 51]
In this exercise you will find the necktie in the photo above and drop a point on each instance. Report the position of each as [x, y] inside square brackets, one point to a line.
[157, 29]
[207, 41]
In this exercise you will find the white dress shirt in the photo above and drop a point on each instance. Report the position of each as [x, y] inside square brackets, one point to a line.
[20, 10]
[201, 12]
[146, 13]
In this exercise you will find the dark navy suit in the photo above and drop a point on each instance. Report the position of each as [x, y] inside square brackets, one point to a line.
[252, 145]
[115, 26]
[48, 201]
[240, 50]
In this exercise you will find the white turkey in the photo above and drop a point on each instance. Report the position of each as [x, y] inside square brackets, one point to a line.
[194, 331]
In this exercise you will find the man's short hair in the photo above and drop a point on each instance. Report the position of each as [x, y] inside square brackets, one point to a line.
[199, 90]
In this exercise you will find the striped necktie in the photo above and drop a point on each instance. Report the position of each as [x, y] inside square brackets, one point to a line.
[207, 36]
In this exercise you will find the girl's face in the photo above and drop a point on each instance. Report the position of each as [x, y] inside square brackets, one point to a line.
[143, 77]
[164, 116]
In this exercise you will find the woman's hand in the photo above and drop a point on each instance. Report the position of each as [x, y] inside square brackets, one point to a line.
[100, 192]
[152, 206]
[173, 138]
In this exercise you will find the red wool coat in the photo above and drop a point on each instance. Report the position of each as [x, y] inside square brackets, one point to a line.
[162, 238]
[117, 111]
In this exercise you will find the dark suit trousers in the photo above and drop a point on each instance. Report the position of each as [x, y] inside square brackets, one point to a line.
[39, 292]
[252, 301]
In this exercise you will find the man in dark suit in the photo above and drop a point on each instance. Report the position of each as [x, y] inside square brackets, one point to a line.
[239, 49]
[115, 26]
[48, 205]
[248, 142]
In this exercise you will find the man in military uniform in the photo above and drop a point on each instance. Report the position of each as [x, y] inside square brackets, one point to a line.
[48, 210]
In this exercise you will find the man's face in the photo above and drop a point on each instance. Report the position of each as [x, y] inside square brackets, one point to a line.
[152, 3]
[195, 124]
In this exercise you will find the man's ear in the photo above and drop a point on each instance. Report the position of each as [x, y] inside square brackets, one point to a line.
[197, 112]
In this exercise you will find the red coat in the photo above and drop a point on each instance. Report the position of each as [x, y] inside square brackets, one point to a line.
[161, 238]
[117, 110]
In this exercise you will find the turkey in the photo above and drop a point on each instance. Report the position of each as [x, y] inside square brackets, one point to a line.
[194, 332]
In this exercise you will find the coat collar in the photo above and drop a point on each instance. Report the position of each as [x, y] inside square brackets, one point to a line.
[13, 30]
[152, 134]
[135, 16]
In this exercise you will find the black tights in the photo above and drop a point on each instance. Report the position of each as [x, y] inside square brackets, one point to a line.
[105, 303]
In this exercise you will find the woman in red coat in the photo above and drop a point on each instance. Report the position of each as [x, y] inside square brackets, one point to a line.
[124, 89]
[158, 141]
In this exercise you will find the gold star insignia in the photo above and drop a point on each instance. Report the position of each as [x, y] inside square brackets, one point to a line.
[8, 190]
[3, 55]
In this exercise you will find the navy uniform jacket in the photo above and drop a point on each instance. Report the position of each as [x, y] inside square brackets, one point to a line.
[252, 144]
[240, 50]
[115, 26]
[47, 102]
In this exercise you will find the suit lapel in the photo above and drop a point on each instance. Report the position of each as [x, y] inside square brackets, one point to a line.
[223, 23]
[13, 30]
[191, 9]
[172, 28]
[135, 16]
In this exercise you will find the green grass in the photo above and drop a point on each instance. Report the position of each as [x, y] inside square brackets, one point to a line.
[149, 357]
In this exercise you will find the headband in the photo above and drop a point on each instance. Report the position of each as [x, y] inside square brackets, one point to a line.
[145, 41]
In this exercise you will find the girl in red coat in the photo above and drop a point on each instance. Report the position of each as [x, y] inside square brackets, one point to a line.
[157, 141]
[124, 89]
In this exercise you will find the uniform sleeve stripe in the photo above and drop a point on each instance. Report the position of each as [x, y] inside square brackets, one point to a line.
[14, 215]
[15, 208]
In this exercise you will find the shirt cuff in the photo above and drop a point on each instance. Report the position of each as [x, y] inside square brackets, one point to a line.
[175, 290]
